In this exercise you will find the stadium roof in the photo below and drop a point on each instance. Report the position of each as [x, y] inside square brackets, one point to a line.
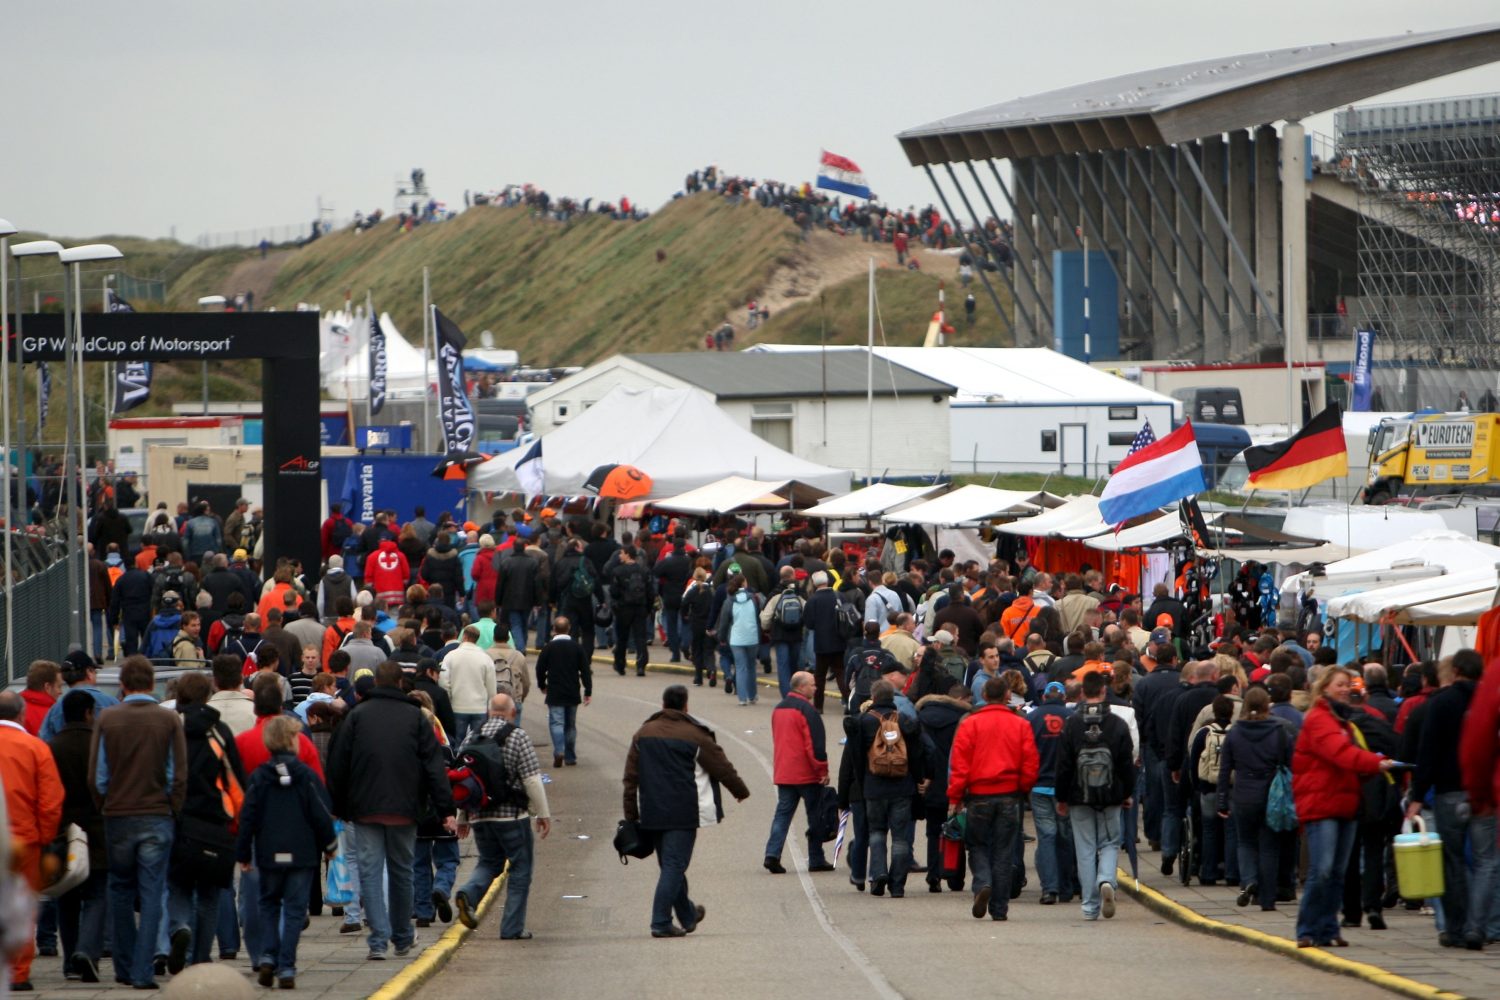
[1180, 103]
[755, 374]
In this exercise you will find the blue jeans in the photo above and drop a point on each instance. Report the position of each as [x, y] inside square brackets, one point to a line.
[858, 847]
[1152, 799]
[463, 722]
[1329, 842]
[195, 907]
[1453, 828]
[139, 849]
[388, 851]
[787, 655]
[671, 624]
[1259, 850]
[744, 673]
[353, 914]
[517, 621]
[498, 843]
[434, 868]
[1171, 816]
[890, 819]
[80, 917]
[1484, 881]
[97, 633]
[249, 909]
[994, 829]
[283, 905]
[228, 929]
[1056, 866]
[1096, 837]
[787, 797]
[562, 720]
[674, 852]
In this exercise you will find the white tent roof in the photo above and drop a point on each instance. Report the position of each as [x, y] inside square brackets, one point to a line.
[1306, 555]
[345, 360]
[676, 436]
[1438, 552]
[966, 505]
[1010, 374]
[1464, 610]
[737, 493]
[1358, 526]
[872, 500]
[1152, 532]
[1075, 513]
[1372, 604]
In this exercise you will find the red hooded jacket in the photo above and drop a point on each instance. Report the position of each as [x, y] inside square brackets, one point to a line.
[387, 569]
[994, 753]
[1327, 767]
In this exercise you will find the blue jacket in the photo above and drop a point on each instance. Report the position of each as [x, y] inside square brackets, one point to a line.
[1047, 721]
[1251, 752]
[287, 819]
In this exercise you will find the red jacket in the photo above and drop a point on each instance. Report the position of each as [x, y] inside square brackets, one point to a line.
[33, 788]
[801, 753]
[994, 753]
[1409, 705]
[37, 704]
[484, 576]
[1327, 767]
[387, 569]
[253, 753]
[1479, 750]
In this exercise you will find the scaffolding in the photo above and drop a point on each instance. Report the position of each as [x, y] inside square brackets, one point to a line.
[1428, 177]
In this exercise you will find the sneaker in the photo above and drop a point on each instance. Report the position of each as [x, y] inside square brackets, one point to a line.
[523, 936]
[84, 968]
[375, 956]
[1106, 899]
[440, 903]
[177, 957]
[981, 903]
[403, 950]
[1246, 893]
[773, 865]
[465, 911]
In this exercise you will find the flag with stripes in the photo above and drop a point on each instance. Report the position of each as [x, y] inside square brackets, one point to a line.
[1143, 437]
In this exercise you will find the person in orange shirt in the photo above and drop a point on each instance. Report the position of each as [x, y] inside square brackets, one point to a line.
[34, 801]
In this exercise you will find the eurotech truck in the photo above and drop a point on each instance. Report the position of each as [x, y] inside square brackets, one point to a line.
[1434, 453]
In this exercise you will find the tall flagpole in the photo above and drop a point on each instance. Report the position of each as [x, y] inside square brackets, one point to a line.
[870, 381]
[426, 361]
[10, 485]
[369, 365]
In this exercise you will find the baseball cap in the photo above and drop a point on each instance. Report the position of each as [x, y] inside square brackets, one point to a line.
[943, 637]
[1161, 635]
[170, 599]
[240, 555]
[1164, 619]
[1053, 687]
[548, 512]
[1357, 686]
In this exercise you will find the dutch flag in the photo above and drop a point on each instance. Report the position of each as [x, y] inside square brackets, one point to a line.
[839, 173]
[1156, 475]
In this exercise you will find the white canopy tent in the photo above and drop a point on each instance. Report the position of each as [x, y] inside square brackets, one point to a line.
[1423, 556]
[1478, 585]
[872, 501]
[966, 505]
[1074, 513]
[345, 357]
[1464, 610]
[678, 437]
[737, 493]
[1153, 532]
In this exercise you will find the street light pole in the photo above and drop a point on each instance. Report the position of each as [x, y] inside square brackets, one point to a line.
[6, 231]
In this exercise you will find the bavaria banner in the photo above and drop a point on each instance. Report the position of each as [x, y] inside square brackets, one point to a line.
[377, 364]
[132, 378]
[1363, 371]
[455, 410]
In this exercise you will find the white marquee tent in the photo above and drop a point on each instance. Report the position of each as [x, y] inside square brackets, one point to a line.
[678, 437]
[734, 493]
[872, 501]
[967, 505]
[344, 344]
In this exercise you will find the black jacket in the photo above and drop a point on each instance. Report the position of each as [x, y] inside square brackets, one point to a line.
[1179, 727]
[1152, 699]
[223, 582]
[563, 673]
[70, 751]
[1168, 606]
[581, 610]
[1437, 749]
[1380, 698]
[1116, 735]
[672, 574]
[1252, 751]
[203, 799]
[878, 786]
[442, 705]
[519, 585]
[286, 822]
[939, 716]
[130, 598]
[385, 760]
[446, 569]
[821, 615]
[617, 587]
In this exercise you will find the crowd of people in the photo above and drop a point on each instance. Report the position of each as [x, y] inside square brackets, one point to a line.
[364, 716]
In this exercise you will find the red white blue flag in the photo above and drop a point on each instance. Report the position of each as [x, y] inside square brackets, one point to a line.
[839, 173]
[1156, 475]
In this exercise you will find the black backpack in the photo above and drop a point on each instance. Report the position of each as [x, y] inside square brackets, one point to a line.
[846, 619]
[484, 757]
[632, 587]
[788, 611]
[1094, 769]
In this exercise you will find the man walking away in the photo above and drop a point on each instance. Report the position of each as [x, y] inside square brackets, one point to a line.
[383, 762]
[631, 594]
[1095, 778]
[993, 766]
[468, 675]
[138, 761]
[1055, 866]
[566, 680]
[502, 829]
[800, 772]
[940, 715]
[894, 768]
[672, 777]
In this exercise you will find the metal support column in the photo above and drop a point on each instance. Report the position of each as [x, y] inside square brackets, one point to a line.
[1141, 264]
[995, 299]
[1026, 273]
[1237, 204]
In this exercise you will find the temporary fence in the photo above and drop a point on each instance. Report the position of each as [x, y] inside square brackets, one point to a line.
[40, 597]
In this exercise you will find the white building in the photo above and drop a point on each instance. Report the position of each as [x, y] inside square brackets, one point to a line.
[812, 405]
[1029, 409]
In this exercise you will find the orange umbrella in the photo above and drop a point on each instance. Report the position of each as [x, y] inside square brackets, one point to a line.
[618, 482]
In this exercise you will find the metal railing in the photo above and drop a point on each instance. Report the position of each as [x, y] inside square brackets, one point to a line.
[39, 614]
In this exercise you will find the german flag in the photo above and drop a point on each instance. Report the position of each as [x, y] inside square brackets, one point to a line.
[1313, 454]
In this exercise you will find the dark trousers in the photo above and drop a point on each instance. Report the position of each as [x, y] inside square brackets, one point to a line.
[80, 916]
[1260, 851]
[994, 831]
[825, 664]
[630, 628]
[1151, 806]
[674, 852]
[1453, 827]
[700, 650]
[1364, 880]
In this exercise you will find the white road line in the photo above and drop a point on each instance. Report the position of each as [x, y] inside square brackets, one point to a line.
[883, 987]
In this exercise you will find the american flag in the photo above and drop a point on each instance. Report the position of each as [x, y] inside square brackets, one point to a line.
[1143, 437]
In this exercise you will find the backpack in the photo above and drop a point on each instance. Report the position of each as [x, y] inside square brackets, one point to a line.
[846, 620]
[581, 584]
[1094, 768]
[340, 531]
[1213, 747]
[788, 610]
[158, 642]
[506, 674]
[887, 753]
[484, 760]
[632, 587]
[233, 641]
[1018, 617]
[1281, 807]
[231, 793]
[956, 665]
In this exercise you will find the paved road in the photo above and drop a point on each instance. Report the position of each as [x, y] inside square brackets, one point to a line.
[797, 934]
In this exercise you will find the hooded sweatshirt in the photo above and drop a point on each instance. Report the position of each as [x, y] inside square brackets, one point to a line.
[1248, 760]
[387, 569]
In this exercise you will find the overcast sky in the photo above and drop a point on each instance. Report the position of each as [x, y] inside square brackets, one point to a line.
[163, 115]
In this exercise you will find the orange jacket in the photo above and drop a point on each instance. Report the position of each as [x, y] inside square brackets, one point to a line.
[333, 635]
[272, 599]
[33, 788]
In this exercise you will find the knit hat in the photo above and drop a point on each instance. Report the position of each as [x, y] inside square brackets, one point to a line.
[113, 559]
